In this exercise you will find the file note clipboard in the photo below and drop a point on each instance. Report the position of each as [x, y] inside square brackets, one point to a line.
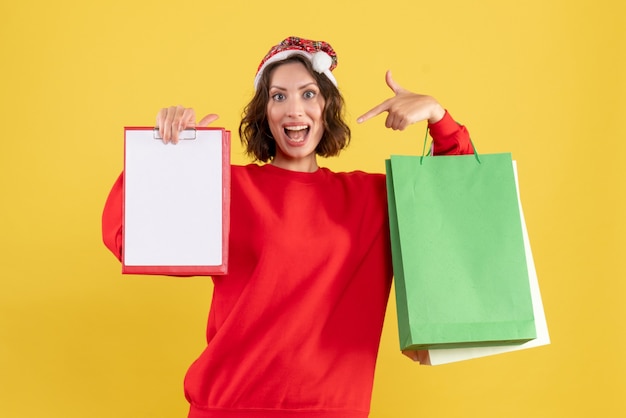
[176, 202]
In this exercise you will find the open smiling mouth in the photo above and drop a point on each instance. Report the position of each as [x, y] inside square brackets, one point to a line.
[297, 133]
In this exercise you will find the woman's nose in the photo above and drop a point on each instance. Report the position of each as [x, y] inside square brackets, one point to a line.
[295, 107]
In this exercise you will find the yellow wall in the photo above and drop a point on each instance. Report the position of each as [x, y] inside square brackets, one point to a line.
[542, 79]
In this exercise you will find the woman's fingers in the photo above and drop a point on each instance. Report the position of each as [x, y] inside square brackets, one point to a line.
[208, 119]
[172, 120]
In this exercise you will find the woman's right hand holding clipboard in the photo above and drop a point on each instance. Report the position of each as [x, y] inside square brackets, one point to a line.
[172, 120]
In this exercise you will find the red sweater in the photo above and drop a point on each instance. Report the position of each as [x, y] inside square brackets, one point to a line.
[294, 327]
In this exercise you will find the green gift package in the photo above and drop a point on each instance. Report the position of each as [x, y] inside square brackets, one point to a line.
[460, 271]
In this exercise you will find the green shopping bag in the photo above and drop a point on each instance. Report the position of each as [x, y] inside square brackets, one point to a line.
[460, 271]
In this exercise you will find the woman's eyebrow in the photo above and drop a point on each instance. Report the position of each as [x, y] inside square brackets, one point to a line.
[304, 86]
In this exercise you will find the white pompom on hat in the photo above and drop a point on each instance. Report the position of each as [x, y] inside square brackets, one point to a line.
[321, 54]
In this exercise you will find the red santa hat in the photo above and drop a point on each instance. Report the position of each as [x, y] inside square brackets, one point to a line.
[321, 54]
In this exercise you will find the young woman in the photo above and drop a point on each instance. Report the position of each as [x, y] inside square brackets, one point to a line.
[294, 327]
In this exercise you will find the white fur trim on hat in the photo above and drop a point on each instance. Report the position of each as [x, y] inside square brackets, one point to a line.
[321, 63]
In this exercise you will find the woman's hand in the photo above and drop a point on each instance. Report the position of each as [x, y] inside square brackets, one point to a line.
[405, 108]
[172, 120]
[414, 355]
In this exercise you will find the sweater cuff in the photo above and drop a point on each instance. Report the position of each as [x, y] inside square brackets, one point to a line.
[445, 127]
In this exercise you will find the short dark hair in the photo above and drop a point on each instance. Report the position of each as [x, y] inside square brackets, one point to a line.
[254, 129]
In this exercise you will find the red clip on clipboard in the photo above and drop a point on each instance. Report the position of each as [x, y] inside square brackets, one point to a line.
[176, 202]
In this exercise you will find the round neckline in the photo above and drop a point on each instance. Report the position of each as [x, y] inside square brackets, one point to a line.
[300, 176]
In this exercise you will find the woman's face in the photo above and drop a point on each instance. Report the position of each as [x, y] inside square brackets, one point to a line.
[294, 113]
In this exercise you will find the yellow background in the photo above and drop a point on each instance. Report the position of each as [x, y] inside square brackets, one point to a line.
[541, 79]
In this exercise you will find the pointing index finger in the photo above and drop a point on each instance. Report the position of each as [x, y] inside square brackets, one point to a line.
[375, 111]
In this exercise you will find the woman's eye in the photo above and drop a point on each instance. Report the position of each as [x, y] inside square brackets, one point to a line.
[278, 97]
[309, 94]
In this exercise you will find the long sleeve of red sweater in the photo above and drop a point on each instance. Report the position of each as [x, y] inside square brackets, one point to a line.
[112, 218]
[449, 137]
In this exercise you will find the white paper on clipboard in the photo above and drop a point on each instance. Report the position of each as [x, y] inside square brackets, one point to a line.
[176, 203]
[443, 356]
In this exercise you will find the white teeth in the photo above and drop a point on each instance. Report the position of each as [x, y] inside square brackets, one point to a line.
[296, 128]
